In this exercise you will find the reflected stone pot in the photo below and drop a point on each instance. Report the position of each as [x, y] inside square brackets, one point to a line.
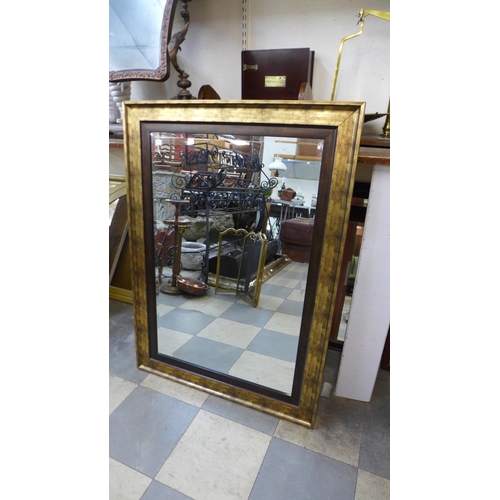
[192, 255]
[198, 227]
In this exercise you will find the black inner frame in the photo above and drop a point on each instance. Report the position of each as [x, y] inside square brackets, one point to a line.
[329, 137]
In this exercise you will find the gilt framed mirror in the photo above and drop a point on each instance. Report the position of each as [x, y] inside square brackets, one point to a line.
[201, 165]
[139, 34]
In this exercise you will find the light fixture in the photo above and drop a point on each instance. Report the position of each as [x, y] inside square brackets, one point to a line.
[277, 165]
[232, 140]
[239, 142]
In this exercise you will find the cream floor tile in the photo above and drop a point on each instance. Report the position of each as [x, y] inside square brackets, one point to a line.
[230, 332]
[170, 340]
[331, 437]
[207, 305]
[163, 309]
[264, 370]
[297, 295]
[284, 323]
[270, 303]
[175, 390]
[126, 483]
[216, 459]
[282, 281]
[371, 487]
[119, 389]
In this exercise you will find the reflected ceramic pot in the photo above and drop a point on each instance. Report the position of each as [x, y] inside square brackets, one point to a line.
[192, 254]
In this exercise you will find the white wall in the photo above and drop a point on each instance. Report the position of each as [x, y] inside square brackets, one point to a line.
[211, 52]
[321, 25]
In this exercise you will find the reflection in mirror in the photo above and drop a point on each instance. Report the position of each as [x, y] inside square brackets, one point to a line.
[217, 222]
[253, 253]
[241, 257]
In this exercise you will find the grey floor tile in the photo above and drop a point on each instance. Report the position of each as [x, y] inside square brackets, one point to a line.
[119, 389]
[381, 391]
[275, 344]
[122, 359]
[145, 428]
[291, 307]
[242, 414]
[295, 274]
[171, 300]
[185, 321]
[337, 432]
[209, 354]
[275, 290]
[159, 491]
[121, 319]
[292, 472]
[332, 364]
[245, 313]
[374, 455]
[301, 285]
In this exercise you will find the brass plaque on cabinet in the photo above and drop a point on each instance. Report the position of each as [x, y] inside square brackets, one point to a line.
[275, 81]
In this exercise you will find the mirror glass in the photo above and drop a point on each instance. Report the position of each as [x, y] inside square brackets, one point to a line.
[139, 32]
[134, 34]
[246, 324]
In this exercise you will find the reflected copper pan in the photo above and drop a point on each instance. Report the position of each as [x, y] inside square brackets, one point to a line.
[194, 287]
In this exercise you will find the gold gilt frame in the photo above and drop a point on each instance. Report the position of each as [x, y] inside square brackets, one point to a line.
[339, 125]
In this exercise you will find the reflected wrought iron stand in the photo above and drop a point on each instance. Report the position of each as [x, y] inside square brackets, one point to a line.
[179, 226]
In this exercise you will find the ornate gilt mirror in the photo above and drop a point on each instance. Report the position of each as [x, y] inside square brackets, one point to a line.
[199, 164]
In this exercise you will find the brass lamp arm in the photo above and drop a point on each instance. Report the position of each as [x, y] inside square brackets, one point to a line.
[362, 14]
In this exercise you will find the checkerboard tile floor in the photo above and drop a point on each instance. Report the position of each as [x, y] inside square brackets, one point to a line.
[169, 441]
[227, 334]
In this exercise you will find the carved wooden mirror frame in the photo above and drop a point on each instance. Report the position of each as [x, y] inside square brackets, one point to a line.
[339, 125]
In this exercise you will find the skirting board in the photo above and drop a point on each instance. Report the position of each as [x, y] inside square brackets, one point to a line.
[120, 294]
